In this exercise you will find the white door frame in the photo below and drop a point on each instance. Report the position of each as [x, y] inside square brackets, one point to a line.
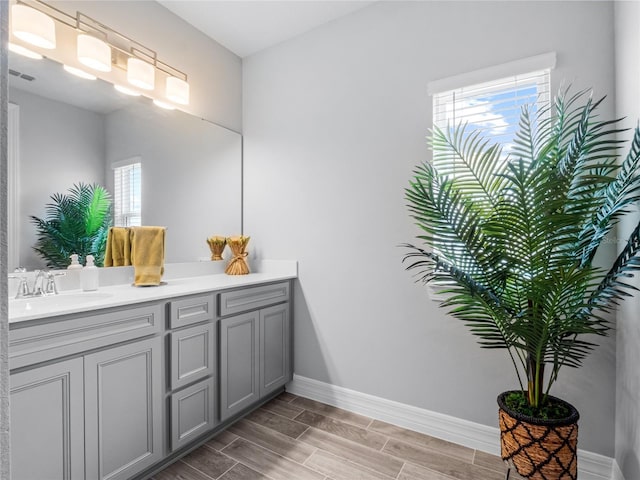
[13, 187]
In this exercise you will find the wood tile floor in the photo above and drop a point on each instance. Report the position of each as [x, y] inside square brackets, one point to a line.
[294, 438]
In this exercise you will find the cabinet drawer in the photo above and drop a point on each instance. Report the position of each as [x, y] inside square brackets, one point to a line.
[74, 334]
[192, 355]
[190, 310]
[251, 298]
[192, 412]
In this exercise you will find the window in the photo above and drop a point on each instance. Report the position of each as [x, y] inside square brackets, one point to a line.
[493, 107]
[491, 99]
[127, 196]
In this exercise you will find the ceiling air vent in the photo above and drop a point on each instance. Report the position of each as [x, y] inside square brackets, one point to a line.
[23, 76]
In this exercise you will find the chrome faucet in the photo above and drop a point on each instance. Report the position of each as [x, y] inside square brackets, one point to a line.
[51, 288]
[38, 291]
[40, 288]
[43, 285]
[23, 286]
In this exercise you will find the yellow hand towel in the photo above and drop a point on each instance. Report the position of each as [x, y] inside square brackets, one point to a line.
[147, 254]
[118, 251]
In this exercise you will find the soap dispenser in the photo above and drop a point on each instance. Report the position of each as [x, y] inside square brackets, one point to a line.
[75, 264]
[89, 275]
[74, 271]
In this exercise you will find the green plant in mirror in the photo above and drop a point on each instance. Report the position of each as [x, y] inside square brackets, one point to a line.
[511, 238]
[76, 222]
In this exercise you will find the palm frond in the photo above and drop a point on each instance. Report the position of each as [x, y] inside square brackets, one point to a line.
[76, 222]
[471, 159]
[612, 289]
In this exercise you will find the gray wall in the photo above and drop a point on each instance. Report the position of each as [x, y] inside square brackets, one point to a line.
[334, 122]
[60, 145]
[627, 18]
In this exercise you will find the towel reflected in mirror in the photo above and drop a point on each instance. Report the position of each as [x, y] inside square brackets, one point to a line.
[142, 247]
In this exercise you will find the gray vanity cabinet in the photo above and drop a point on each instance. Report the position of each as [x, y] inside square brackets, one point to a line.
[123, 411]
[111, 394]
[255, 357]
[239, 367]
[47, 422]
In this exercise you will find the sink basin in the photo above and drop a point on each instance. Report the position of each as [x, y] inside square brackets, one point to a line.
[22, 306]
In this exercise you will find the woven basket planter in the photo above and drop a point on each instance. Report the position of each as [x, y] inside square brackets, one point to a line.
[540, 449]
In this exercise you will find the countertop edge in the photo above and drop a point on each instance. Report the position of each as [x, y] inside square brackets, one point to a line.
[123, 295]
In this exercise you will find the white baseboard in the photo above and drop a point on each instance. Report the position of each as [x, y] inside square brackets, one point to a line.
[616, 473]
[591, 466]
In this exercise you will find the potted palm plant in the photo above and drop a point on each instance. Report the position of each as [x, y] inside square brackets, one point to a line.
[511, 239]
[76, 222]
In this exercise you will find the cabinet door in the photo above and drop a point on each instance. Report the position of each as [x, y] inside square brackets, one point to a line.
[192, 412]
[123, 420]
[238, 363]
[47, 422]
[275, 362]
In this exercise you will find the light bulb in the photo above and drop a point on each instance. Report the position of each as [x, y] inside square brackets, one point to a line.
[25, 52]
[126, 91]
[164, 105]
[79, 73]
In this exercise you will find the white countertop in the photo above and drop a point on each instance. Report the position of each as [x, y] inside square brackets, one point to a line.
[77, 301]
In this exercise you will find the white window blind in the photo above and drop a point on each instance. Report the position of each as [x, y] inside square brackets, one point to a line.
[127, 180]
[493, 107]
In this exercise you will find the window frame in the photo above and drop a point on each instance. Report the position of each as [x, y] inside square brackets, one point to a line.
[122, 217]
[491, 75]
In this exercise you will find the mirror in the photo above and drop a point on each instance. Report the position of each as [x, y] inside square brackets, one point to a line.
[69, 130]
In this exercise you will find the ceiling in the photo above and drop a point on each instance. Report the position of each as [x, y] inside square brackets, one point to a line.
[49, 80]
[246, 27]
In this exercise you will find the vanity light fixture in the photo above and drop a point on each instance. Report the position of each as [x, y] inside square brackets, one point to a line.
[94, 53]
[177, 90]
[33, 26]
[126, 90]
[100, 48]
[164, 105]
[25, 52]
[79, 73]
